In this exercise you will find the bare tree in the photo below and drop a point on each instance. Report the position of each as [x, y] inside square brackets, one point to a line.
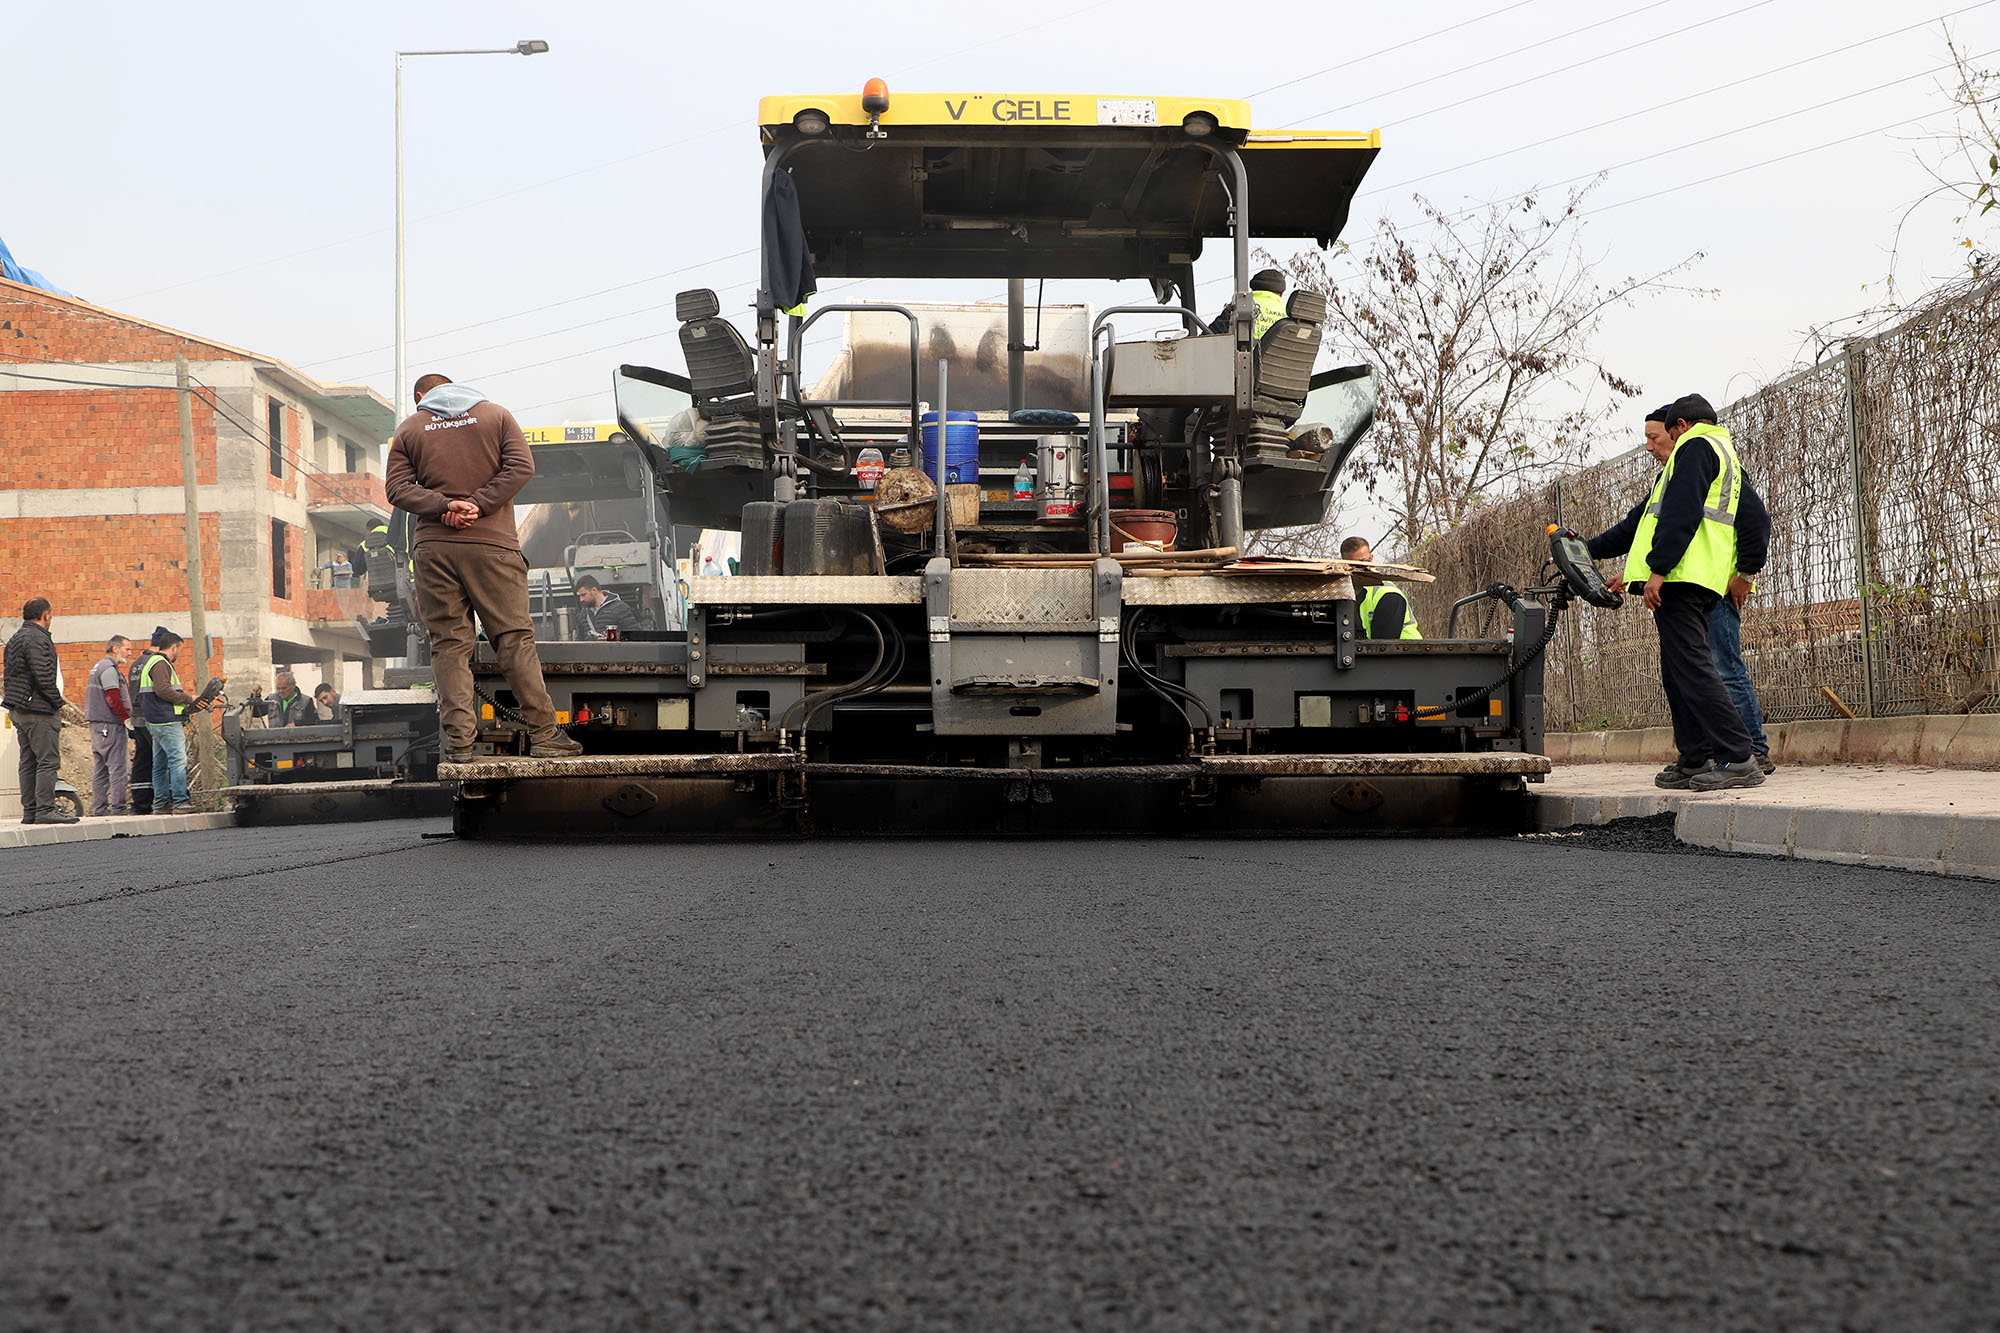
[1963, 161]
[1480, 326]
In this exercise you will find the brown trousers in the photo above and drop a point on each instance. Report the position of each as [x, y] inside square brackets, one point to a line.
[455, 581]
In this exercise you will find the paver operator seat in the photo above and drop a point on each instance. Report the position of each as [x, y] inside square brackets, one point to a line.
[723, 372]
[1285, 356]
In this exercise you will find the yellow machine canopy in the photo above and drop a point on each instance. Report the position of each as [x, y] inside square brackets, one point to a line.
[943, 185]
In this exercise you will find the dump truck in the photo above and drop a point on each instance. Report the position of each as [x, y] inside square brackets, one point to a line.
[923, 645]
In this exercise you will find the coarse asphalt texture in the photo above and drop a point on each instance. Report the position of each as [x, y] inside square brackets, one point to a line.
[345, 1077]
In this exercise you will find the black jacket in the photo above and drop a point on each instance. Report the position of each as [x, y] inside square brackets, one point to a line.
[31, 671]
[785, 247]
[1680, 517]
[614, 612]
[298, 713]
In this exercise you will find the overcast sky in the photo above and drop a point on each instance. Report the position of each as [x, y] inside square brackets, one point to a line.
[228, 169]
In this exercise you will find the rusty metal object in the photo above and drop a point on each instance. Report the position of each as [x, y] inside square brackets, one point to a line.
[508, 768]
[1506, 763]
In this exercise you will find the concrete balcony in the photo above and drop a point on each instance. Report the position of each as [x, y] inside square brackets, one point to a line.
[339, 606]
[345, 493]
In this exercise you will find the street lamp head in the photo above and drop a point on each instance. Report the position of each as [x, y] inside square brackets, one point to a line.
[531, 48]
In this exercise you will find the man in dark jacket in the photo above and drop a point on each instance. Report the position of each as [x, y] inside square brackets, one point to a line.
[34, 702]
[289, 707]
[165, 705]
[1725, 622]
[1684, 542]
[603, 610]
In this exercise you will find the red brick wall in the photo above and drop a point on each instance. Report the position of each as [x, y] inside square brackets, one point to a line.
[69, 438]
[78, 658]
[106, 566]
[41, 327]
[292, 451]
[295, 561]
[346, 488]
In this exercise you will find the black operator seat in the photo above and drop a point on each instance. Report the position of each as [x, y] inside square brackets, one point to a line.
[1285, 356]
[721, 366]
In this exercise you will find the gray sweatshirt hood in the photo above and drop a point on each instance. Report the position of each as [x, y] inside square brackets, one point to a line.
[451, 400]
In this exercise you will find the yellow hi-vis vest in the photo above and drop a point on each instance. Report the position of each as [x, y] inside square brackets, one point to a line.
[173, 676]
[1270, 309]
[1711, 556]
[1371, 598]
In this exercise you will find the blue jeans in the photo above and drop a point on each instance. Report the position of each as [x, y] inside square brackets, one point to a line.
[1725, 645]
[170, 763]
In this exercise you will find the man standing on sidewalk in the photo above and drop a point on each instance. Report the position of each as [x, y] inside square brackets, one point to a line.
[1725, 622]
[108, 715]
[1682, 544]
[33, 698]
[457, 463]
[165, 705]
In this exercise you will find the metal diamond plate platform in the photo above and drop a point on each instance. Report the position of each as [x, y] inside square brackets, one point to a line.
[1020, 596]
[1221, 590]
[618, 766]
[806, 590]
[1500, 764]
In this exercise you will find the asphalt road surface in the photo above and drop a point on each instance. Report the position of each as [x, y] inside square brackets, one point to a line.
[352, 1078]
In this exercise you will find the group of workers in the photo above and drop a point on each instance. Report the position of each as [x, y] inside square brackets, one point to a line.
[1693, 547]
[126, 702]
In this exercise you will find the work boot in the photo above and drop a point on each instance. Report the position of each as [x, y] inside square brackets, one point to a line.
[1675, 778]
[465, 756]
[557, 746]
[55, 817]
[1764, 763]
[1719, 776]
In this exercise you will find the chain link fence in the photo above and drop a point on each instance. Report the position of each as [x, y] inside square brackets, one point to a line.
[1881, 468]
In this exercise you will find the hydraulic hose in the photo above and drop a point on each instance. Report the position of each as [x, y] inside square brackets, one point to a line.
[1540, 646]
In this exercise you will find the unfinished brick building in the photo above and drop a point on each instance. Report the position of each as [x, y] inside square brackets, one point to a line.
[92, 514]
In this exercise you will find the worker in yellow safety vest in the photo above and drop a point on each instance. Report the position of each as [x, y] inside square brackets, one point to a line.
[1385, 611]
[1267, 293]
[1680, 549]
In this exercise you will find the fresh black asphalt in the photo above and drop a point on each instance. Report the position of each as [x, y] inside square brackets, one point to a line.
[349, 1078]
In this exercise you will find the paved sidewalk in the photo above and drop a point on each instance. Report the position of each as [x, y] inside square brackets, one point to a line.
[1937, 819]
[13, 833]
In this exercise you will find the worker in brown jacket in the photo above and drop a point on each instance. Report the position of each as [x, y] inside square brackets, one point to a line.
[457, 463]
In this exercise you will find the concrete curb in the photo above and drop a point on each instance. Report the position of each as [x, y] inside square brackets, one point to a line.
[1951, 844]
[1553, 812]
[1897, 839]
[1925, 740]
[15, 834]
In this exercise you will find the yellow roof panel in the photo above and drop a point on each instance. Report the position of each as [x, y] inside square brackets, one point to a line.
[1009, 109]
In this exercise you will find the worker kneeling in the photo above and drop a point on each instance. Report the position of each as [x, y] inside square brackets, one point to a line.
[1680, 544]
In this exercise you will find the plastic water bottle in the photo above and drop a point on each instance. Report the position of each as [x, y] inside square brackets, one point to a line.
[869, 467]
[1024, 481]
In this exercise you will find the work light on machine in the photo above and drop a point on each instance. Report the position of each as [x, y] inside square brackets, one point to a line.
[875, 101]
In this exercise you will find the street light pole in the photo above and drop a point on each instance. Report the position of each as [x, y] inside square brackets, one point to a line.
[521, 48]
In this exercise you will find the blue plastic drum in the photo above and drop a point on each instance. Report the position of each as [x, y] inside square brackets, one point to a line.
[961, 446]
